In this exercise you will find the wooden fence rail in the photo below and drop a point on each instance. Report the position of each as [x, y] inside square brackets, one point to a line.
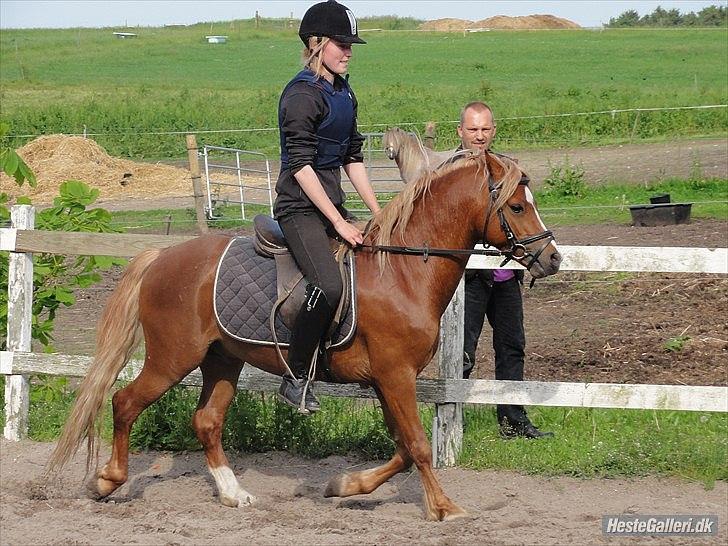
[448, 392]
[437, 391]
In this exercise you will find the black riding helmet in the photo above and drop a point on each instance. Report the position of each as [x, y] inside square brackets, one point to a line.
[332, 20]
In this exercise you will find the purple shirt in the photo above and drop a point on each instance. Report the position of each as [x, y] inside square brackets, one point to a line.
[502, 275]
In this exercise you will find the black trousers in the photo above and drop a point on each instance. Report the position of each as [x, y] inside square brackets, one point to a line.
[307, 237]
[502, 304]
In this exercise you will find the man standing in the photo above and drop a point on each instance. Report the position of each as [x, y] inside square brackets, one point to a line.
[496, 294]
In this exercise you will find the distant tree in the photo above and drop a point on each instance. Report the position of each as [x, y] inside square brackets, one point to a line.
[629, 18]
[711, 16]
[690, 20]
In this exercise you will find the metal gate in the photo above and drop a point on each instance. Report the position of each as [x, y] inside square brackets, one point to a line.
[236, 177]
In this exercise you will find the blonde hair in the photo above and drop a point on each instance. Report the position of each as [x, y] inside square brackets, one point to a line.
[311, 55]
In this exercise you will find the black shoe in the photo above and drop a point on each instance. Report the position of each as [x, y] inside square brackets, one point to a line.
[522, 430]
[291, 392]
[468, 364]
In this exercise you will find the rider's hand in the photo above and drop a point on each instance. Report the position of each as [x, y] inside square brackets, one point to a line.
[350, 233]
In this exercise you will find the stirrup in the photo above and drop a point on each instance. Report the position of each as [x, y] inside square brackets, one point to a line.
[294, 392]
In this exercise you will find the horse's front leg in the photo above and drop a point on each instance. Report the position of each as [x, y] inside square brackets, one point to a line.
[398, 392]
[366, 481]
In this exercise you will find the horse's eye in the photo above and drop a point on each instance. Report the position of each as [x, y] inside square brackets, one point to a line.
[517, 208]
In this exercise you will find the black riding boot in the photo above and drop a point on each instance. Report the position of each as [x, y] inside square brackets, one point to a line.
[311, 324]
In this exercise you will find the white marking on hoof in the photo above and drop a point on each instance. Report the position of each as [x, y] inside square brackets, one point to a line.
[231, 494]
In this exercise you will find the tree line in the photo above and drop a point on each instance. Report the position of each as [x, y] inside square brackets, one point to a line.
[711, 16]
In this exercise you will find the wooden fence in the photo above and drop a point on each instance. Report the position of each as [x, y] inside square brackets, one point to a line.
[448, 392]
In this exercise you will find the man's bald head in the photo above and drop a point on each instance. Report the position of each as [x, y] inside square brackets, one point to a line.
[477, 126]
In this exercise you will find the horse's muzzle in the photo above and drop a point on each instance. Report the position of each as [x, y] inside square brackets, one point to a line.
[547, 264]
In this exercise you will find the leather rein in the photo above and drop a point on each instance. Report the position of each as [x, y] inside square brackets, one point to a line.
[517, 251]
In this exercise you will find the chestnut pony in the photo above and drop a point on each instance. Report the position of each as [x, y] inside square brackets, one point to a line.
[167, 296]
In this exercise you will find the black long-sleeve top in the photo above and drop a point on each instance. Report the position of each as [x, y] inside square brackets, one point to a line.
[303, 109]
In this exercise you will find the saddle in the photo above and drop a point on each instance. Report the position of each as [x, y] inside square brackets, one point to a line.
[270, 242]
[259, 289]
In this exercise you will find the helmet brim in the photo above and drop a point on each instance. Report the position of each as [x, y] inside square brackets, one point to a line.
[348, 39]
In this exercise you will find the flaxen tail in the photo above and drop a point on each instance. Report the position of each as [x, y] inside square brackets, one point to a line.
[118, 334]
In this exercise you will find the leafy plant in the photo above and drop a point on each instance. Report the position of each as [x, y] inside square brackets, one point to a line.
[12, 164]
[566, 181]
[676, 344]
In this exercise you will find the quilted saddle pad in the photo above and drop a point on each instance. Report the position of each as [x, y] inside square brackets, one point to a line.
[245, 291]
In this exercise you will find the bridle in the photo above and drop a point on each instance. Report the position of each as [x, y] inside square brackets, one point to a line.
[517, 251]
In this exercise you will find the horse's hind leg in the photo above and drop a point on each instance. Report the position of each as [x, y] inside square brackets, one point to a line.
[366, 481]
[219, 382]
[162, 370]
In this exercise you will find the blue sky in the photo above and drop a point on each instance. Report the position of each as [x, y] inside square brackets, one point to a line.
[105, 13]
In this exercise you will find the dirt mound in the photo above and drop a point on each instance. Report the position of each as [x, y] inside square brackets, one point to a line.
[446, 25]
[500, 22]
[57, 158]
[526, 22]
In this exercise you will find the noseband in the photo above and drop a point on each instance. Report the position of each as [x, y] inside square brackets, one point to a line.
[517, 251]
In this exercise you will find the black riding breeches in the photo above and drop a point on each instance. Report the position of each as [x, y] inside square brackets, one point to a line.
[306, 234]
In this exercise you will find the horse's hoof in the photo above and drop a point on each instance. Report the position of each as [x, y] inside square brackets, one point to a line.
[336, 486]
[455, 514]
[240, 500]
[98, 488]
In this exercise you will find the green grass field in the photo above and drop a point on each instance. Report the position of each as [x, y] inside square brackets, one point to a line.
[170, 79]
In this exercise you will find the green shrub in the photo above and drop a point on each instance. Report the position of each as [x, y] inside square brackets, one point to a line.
[566, 181]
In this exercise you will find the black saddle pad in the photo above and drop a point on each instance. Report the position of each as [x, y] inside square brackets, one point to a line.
[245, 291]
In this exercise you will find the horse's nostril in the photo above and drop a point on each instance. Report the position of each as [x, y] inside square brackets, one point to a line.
[556, 258]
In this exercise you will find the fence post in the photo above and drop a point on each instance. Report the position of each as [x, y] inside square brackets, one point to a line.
[430, 135]
[196, 183]
[447, 425]
[20, 303]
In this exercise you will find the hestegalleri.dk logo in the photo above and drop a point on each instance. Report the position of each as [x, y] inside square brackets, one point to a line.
[626, 524]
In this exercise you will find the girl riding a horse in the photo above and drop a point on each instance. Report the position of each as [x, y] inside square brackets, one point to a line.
[317, 122]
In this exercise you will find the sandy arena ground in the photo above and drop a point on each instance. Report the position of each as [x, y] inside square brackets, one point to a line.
[170, 499]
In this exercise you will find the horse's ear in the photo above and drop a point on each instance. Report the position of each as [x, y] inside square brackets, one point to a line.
[495, 166]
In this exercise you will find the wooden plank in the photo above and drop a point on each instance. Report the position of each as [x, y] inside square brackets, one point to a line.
[94, 244]
[77, 366]
[447, 425]
[471, 391]
[664, 259]
[20, 314]
[628, 258]
[576, 258]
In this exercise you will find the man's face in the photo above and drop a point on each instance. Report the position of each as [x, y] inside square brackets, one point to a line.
[477, 130]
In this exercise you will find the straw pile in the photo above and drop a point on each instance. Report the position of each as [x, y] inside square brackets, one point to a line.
[57, 158]
[528, 22]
